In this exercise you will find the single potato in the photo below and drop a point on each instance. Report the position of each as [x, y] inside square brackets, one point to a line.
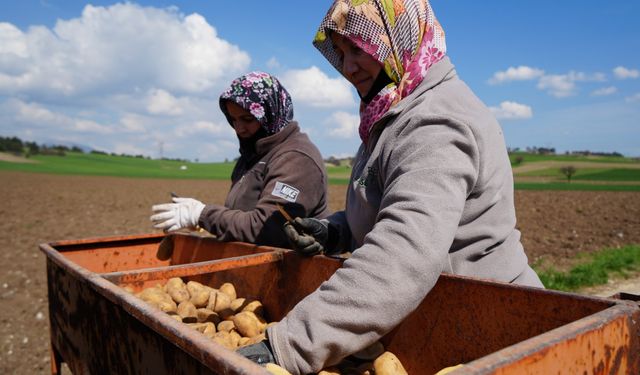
[229, 290]
[388, 364]
[249, 324]
[188, 312]
[177, 289]
[226, 326]
[276, 370]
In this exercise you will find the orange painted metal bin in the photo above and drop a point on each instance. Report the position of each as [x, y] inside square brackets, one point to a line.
[492, 328]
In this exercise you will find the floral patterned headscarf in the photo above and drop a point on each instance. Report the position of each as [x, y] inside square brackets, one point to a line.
[263, 96]
[403, 35]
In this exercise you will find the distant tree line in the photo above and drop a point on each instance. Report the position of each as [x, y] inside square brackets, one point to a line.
[552, 151]
[534, 150]
[594, 153]
[98, 152]
[338, 162]
[18, 147]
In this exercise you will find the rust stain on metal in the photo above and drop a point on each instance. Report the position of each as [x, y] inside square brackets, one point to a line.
[185, 270]
[492, 328]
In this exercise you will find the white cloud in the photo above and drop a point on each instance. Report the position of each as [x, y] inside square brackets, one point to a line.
[521, 73]
[633, 98]
[160, 102]
[203, 128]
[512, 111]
[90, 126]
[559, 86]
[564, 85]
[133, 123]
[273, 63]
[32, 113]
[217, 150]
[41, 117]
[584, 77]
[129, 149]
[343, 125]
[117, 49]
[121, 78]
[623, 73]
[605, 91]
[313, 87]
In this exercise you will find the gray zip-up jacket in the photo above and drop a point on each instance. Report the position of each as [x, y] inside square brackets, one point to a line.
[431, 193]
[289, 171]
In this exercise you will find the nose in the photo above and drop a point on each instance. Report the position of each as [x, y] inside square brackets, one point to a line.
[238, 126]
[349, 65]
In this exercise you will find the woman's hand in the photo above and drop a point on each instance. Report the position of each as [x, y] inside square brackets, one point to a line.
[307, 236]
[182, 213]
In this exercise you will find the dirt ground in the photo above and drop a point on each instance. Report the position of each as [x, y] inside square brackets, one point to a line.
[40, 208]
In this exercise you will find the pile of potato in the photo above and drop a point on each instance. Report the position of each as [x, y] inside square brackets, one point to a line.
[218, 313]
[235, 322]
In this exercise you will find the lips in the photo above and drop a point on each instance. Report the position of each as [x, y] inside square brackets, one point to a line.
[363, 84]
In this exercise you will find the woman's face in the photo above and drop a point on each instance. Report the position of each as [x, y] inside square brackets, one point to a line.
[244, 123]
[357, 66]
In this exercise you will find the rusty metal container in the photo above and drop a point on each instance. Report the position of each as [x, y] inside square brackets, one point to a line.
[491, 328]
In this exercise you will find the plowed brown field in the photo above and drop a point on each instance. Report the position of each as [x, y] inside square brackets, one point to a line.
[39, 208]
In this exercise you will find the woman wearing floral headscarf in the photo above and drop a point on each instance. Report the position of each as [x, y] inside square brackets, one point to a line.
[431, 189]
[278, 165]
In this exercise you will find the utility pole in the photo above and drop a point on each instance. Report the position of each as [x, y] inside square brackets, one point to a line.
[161, 151]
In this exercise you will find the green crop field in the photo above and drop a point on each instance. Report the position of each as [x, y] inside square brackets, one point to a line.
[595, 269]
[120, 166]
[618, 174]
[609, 175]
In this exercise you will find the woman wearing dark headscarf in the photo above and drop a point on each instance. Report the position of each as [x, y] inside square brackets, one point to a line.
[431, 189]
[278, 165]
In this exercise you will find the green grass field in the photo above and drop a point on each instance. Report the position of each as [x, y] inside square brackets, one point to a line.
[595, 269]
[620, 174]
[120, 166]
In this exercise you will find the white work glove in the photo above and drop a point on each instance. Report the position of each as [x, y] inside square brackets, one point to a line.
[183, 213]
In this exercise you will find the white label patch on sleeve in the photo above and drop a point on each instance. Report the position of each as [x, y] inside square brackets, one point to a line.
[285, 191]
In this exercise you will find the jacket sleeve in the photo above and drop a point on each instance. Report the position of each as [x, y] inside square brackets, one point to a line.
[263, 224]
[339, 221]
[426, 177]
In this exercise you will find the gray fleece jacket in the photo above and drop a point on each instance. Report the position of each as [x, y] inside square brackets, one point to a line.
[432, 192]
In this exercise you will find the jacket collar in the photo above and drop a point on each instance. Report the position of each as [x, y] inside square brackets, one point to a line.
[266, 144]
[441, 71]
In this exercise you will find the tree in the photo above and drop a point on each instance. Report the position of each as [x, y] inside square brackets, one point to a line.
[518, 160]
[568, 171]
[13, 145]
[333, 161]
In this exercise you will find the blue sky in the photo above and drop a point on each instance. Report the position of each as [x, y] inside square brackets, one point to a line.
[140, 77]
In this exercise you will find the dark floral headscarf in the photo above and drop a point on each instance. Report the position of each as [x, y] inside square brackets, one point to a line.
[403, 35]
[264, 97]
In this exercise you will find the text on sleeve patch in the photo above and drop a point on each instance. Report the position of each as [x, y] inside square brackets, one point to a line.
[285, 191]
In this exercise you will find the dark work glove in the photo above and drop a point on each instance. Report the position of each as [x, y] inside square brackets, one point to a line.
[259, 353]
[310, 236]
